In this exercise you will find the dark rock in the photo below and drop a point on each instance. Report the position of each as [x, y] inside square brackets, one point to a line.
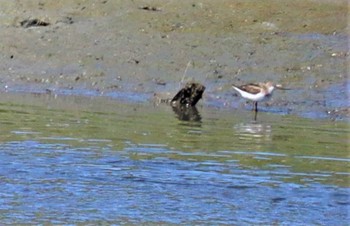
[189, 95]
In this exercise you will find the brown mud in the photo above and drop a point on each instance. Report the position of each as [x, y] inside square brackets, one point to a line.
[134, 49]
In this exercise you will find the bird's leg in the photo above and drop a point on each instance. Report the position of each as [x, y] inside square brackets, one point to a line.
[255, 115]
[256, 106]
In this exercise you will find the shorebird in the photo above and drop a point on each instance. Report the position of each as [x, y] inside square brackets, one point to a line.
[256, 92]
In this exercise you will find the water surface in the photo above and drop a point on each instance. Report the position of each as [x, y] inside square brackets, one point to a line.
[96, 160]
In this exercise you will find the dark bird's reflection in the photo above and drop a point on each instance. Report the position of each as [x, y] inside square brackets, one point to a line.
[187, 113]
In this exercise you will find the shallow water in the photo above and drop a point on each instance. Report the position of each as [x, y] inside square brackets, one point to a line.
[96, 160]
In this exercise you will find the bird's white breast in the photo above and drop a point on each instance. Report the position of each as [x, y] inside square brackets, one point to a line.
[254, 97]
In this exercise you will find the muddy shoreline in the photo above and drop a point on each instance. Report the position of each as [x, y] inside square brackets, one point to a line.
[132, 50]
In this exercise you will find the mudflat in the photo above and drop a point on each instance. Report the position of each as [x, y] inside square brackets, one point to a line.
[142, 48]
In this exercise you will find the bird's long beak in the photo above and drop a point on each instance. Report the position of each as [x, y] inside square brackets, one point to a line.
[281, 87]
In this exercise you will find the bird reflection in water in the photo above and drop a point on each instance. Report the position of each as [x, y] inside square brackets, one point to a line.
[256, 132]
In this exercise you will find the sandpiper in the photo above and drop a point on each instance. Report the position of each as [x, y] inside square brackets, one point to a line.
[255, 92]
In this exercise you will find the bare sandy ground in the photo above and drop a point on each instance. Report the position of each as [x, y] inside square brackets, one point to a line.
[144, 47]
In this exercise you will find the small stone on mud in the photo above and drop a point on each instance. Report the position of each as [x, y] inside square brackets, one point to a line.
[134, 61]
[113, 87]
[160, 82]
[33, 23]
[48, 91]
[149, 8]
[66, 20]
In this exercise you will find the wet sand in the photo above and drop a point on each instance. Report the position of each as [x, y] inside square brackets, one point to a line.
[134, 49]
